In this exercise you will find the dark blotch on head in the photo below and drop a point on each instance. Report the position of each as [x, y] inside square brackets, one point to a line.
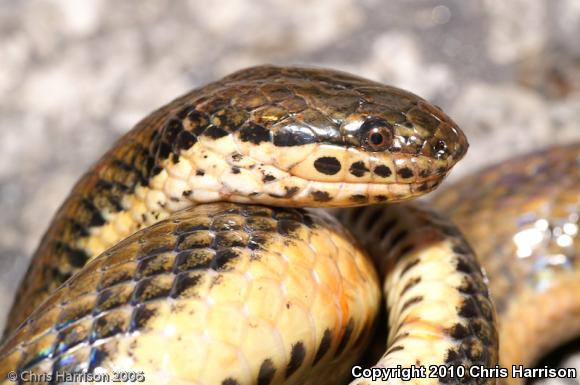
[268, 178]
[255, 133]
[230, 381]
[383, 171]
[185, 140]
[235, 170]
[321, 196]
[296, 358]
[293, 138]
[328, 165]
[266, 373]
[215, 132]
[405, 172]
[358, 169]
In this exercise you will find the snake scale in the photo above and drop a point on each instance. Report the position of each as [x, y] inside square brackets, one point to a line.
[185, 253]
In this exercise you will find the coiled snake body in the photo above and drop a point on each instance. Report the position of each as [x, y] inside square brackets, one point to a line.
[230, 293]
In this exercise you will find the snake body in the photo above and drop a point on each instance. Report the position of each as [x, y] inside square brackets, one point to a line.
[522, 219]
[230, 293]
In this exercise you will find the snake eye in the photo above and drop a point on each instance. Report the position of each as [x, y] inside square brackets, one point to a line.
[376, 134]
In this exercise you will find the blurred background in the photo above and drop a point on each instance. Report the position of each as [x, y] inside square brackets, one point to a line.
[75, 75]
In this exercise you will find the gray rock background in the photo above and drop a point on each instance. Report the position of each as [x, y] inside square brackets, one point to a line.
[76, 74]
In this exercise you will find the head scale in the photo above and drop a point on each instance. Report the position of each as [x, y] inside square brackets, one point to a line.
[329, 137]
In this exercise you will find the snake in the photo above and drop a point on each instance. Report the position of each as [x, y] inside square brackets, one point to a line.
[196, 250]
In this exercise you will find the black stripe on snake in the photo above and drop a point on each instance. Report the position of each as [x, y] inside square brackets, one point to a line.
[186, 253]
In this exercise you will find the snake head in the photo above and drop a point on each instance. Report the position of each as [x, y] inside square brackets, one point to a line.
[327, 138]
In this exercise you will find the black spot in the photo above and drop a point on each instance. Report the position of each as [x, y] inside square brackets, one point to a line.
[230, 381]
[324, 346]
[184, 282]
[463, 266]
[383, 171]
[321, 196]
[328, 165]
[255, 133]
[185, 140]
[106, 326]
[359, 198]
[141, 314]
[405, 172]
[409, 265]
[215, 132]
[411, 301]
[290, 191]
[76, 257]
[395, 348]
[294, 138]
[222, 258]
[468, 308]
[268, 178]
[96, 216]
[187, 193]
[381, 198]
[164, 150]
[467, 286]
[199, 172]
[452, 356]
[358, 169]
[235, 170]
[412, 282]
[173, 128]
[147, 290]
[287, 227]
[345, 337]
[296, 358]
[458, 331]
[266, 373]
[182, 114]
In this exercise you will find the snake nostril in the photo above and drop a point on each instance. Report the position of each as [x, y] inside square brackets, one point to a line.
[440, 148]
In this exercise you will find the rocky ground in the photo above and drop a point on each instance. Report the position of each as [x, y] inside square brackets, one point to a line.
[74, 75]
